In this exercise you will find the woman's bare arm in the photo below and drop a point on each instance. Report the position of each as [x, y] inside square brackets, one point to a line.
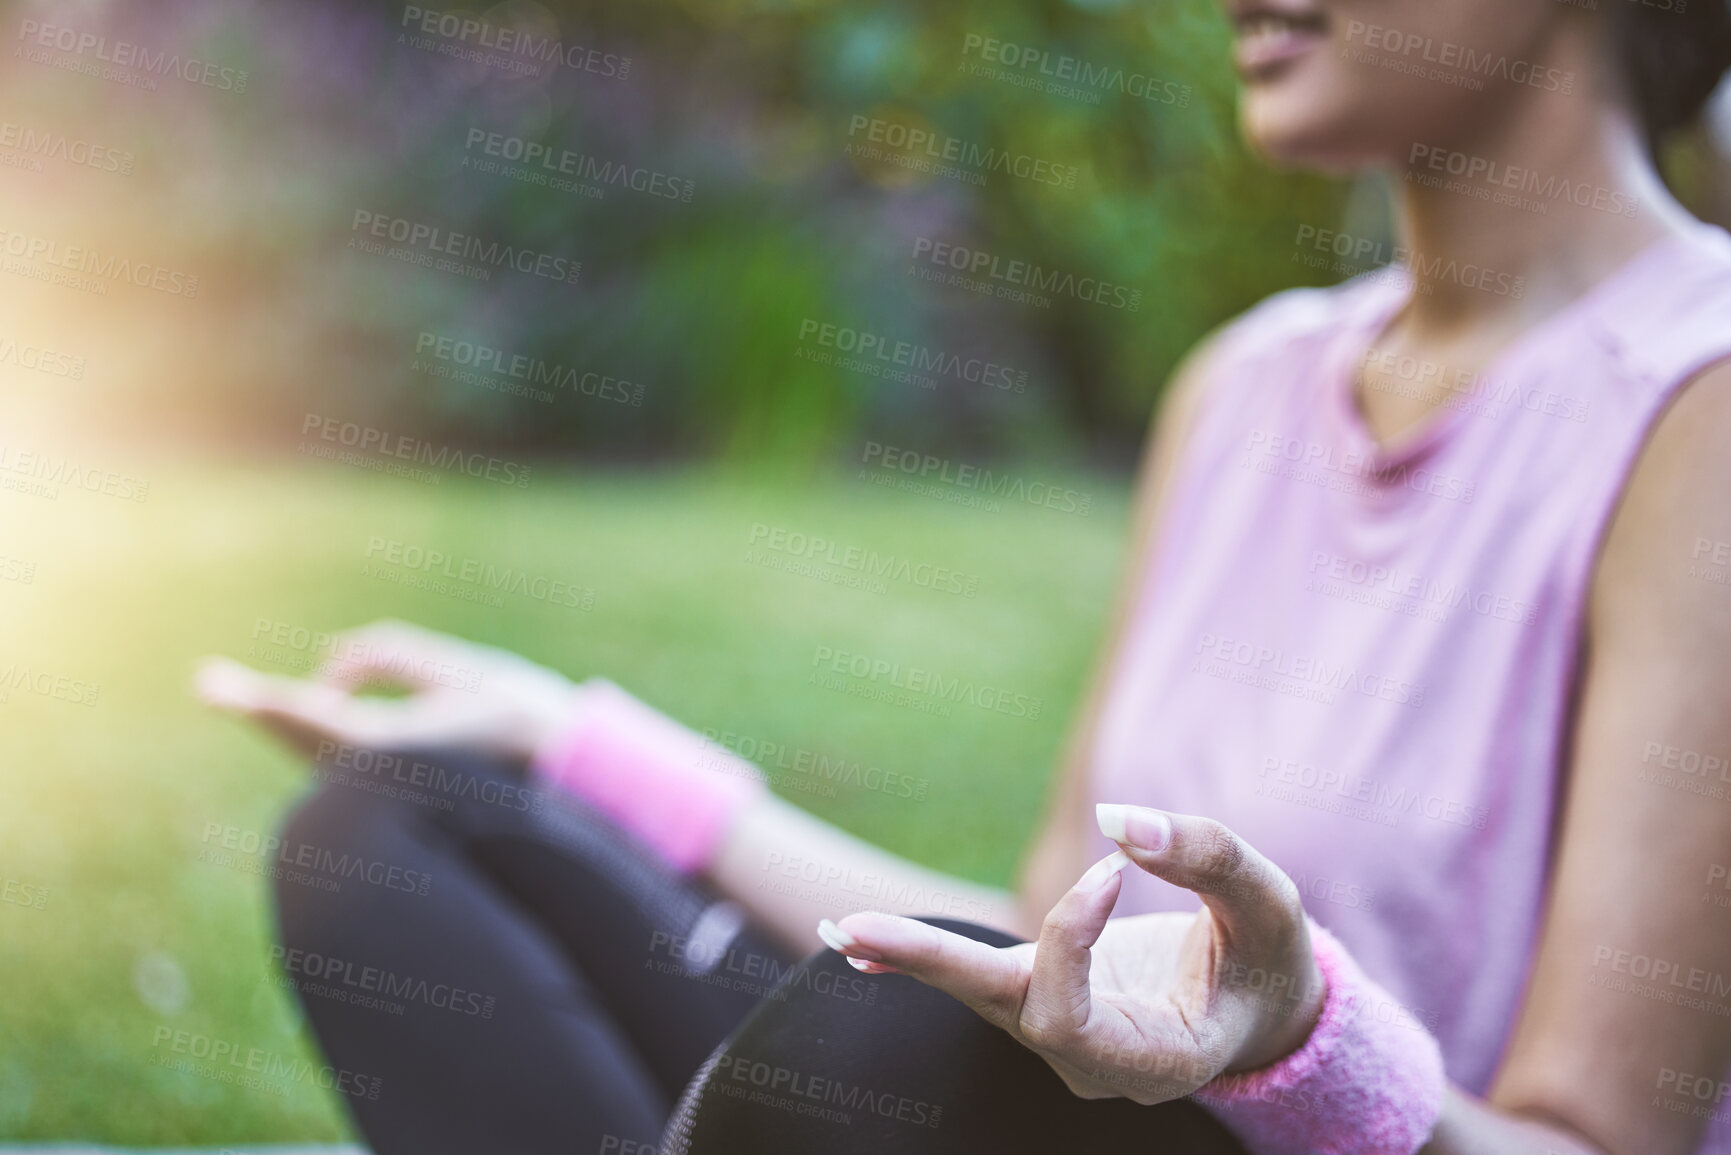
[1624, 1039]
[790, 868]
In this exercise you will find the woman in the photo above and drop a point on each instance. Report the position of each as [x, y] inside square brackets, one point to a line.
[1423, 642]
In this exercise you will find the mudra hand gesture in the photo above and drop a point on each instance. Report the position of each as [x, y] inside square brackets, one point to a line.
[460, 694]
[1149, 1007]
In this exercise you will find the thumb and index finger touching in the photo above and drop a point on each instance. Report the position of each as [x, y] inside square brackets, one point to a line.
[306, 712]
[1252, 900]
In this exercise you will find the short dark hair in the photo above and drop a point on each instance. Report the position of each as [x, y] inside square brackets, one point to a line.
[1673, 58]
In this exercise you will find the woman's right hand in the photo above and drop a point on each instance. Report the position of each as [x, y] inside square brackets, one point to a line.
[460, 694]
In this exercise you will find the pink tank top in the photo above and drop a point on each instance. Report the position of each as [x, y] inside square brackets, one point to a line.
[1361, 659]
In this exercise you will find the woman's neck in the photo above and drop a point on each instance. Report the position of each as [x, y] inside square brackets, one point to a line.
[1591, 202]
[1487, 267]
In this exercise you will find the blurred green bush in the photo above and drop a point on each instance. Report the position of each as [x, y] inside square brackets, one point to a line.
[748, 107]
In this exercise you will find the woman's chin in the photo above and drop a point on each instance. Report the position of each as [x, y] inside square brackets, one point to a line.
[1288, 138]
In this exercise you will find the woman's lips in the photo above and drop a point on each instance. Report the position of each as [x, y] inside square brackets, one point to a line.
[1267, 40]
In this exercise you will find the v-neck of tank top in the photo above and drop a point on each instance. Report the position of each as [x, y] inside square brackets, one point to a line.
[1356, 338]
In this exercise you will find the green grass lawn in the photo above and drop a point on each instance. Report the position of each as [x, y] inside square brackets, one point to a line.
[114, 928]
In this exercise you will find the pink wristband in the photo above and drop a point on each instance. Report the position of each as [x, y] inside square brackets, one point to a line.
[664, 784]
[1368, 1081]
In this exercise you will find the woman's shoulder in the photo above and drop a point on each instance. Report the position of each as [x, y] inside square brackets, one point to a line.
[1674, 317]
[1689, 278]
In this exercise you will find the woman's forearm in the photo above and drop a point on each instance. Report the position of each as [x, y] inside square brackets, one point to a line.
[1472, 1126]
[789, 869]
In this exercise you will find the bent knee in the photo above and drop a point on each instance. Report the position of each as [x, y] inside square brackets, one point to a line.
[321, 866]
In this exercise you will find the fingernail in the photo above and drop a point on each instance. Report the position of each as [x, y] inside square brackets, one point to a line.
[1110, 817]
[1101, 871]
[1138, 826]
[871, 968]
[835, 938]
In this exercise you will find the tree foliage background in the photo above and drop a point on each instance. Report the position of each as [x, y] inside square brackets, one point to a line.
[701, 301]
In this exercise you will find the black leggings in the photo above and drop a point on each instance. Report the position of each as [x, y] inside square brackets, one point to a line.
[490, 969]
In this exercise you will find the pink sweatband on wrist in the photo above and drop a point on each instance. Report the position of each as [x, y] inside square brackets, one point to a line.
[663, 783]
[1368, 1081]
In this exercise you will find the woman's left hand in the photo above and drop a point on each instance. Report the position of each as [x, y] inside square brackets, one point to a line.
[461, 693]
[1147, 1008]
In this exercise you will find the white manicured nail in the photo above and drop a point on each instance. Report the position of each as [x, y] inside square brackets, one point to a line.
[835, 938]
[1138, 826]
[1101, 871]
